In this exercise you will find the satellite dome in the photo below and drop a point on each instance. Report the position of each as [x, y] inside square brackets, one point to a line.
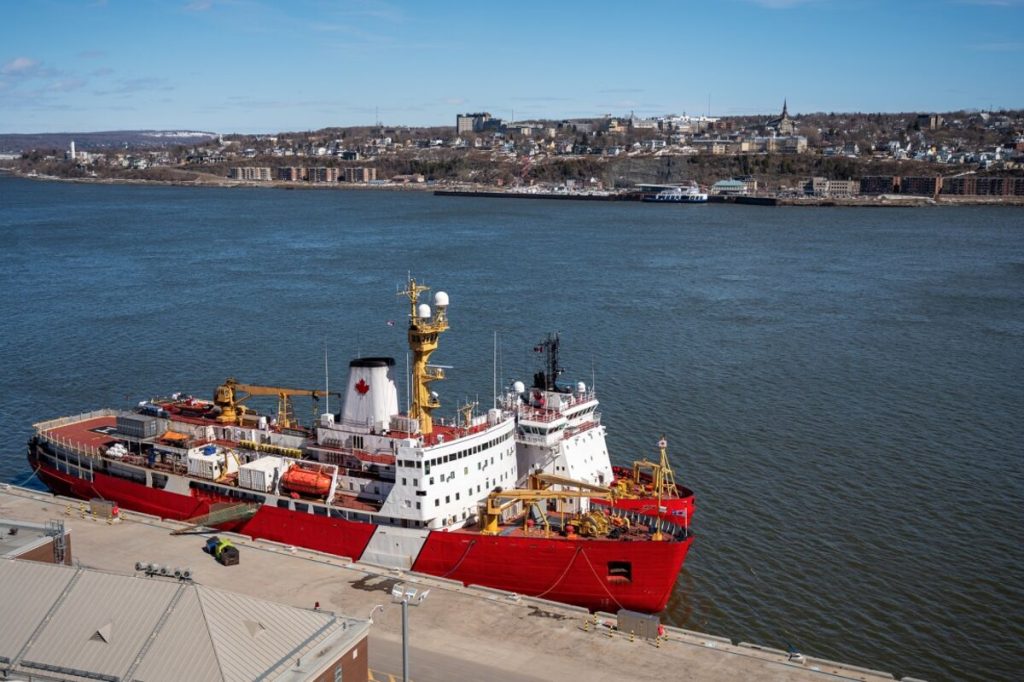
[440, 299]
[423, 311]
[581, 387]
[519, 387]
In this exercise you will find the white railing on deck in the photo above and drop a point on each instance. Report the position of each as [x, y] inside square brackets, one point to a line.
[64, 421]
[68, 445]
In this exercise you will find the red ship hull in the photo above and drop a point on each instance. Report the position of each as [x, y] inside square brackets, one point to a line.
[573, 572]
[595, 574]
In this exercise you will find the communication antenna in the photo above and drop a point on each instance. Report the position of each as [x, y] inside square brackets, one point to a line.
[327, 381]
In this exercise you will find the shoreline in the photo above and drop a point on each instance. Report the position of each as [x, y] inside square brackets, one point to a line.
[487, 191]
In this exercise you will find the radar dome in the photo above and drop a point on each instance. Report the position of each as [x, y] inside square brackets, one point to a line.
[441, 299]
[519, 387]
[423, 310]
[581, 387]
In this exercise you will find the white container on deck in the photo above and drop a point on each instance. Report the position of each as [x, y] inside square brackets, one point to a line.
[211, 462]
[260, 474]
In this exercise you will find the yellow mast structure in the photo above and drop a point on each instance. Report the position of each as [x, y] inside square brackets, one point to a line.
[425, 329]
[663, 481]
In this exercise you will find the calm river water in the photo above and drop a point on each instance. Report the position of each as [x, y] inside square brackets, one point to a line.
[843, 388]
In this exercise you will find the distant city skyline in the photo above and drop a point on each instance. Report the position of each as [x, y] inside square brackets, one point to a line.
[257, 66]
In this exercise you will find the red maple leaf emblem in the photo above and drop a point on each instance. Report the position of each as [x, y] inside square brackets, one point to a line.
[362, 387]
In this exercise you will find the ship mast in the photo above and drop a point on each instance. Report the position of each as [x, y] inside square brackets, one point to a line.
[424, 331]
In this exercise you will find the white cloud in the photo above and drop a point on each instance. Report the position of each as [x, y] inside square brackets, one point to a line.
[20, 66]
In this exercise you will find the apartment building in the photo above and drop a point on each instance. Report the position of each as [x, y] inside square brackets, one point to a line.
[360, 174]
[260, 173]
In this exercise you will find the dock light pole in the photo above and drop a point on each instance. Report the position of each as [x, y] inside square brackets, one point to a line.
[406, 596]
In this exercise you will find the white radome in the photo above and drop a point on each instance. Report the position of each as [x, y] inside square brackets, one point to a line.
[423, 311]
[440, 300]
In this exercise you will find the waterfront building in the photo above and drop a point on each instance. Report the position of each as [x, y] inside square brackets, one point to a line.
[815, 187]
[322, 174]
[291, 173]
[983, 186]
[878, 184]
[749, 181]
[258, 173]
[920, 186]
[823, 187]
[360, 174]
[730, 188]
[842, 188]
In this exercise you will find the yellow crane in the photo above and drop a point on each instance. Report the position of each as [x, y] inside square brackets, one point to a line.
[230, 395]
[594, 523]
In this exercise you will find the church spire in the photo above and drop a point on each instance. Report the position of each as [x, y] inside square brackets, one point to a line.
[785, 112]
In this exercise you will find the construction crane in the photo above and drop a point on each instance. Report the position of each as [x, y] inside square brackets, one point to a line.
[230, 395]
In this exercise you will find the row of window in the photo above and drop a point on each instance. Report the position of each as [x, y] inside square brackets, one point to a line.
[480, 466]
[540, 430]
[466, 452]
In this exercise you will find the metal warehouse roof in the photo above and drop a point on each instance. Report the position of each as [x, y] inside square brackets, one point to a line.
[64, 622]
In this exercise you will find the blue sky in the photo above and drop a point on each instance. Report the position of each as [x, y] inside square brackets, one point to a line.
[268, 66]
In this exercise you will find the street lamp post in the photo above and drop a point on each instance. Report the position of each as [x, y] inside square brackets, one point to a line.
[405, 596]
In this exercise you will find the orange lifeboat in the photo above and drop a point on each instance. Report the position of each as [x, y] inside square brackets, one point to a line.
[299, 479]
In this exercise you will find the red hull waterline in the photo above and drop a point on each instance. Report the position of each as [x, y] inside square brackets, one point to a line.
[562, 570]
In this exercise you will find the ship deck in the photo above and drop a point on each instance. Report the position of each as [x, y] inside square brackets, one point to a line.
[89, 433]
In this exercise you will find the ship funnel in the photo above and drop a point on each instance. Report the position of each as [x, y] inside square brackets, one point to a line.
[371, 398]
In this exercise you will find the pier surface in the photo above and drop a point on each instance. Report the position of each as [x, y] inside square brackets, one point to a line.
[457, 633]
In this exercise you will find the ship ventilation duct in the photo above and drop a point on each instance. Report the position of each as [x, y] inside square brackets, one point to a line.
[371, 398]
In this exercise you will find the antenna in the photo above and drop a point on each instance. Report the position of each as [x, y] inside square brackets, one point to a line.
[494, 371]
[327, 381]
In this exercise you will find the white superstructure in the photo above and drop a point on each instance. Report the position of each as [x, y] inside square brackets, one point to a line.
[558, 430]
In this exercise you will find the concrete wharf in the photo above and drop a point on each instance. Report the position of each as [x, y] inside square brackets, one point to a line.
[459, 633]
